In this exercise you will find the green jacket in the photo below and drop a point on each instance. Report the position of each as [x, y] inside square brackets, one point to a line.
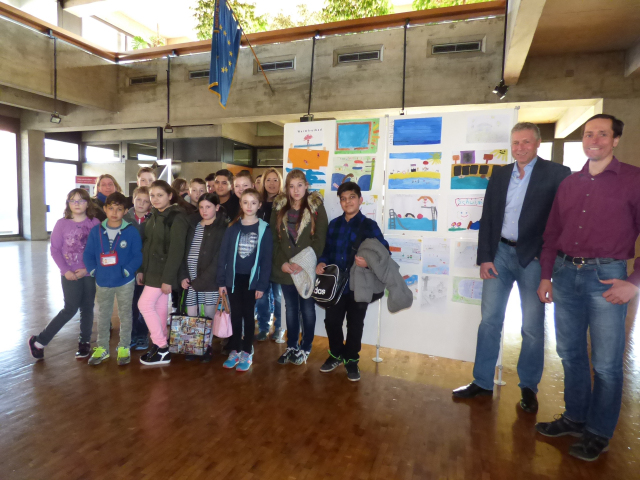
[282, 248]
[163, 249]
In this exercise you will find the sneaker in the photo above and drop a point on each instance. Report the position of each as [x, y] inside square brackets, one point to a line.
[157, 356]
[124, 356]
[206, 358]
[37, 353]
[142, 343]
[559, 427]
[589, 447]
[152, 351]
[353, 372]
[99, 355]
[246, 359]
[233, 360]
[133, 343]
[84, 350]
[299, 357]
[330, 364]
[262, 336]
[287, 356]
[278, 336]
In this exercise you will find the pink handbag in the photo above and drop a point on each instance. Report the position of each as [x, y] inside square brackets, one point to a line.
[222, 319]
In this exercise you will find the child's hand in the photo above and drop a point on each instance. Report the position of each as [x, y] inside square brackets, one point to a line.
[166, 288]
[140, 278]
[295, 268]
[286, 268]
[70, 275]
[185, 284]
[320, 268]
[259, 294]
[222, 290]
[361, 262]
[81, 272]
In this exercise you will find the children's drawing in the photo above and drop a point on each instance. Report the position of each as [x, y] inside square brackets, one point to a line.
[471, 177]
[467, 157]
[433, 293]
[465, 254]
[498, 156]
[406, 251]
[412, 283]
[357, 136]
[489, 128]
[467, 290]
[435, 256]
[414, 171]
[369, 207]
[417, 131]
[465, 212]
[353, 169]
[308, 136]
[307, 159]
[413, 212]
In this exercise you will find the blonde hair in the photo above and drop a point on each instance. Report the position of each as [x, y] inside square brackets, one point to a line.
[106, 175]
[265, 174]
[248, 191]
[140, 191]
[304, 203]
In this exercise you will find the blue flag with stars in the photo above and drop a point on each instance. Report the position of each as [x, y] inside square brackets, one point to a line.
[225, 44]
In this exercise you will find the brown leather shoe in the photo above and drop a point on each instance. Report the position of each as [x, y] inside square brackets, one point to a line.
[529, 401]
[470, 391]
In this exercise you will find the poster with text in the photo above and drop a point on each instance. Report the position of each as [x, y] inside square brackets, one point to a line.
[465, 212]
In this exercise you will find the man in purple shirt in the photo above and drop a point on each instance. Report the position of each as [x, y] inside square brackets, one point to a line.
[590, 235]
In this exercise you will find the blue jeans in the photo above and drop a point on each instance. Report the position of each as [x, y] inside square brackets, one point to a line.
[579, 305]
[271, 300]
[296, 305]
[495, 295]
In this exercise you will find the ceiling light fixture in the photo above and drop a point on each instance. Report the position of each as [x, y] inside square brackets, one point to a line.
[501, 90]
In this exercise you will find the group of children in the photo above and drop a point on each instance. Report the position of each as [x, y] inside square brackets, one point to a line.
[219, 236]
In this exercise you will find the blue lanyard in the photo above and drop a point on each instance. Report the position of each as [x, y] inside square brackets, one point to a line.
[111, 249]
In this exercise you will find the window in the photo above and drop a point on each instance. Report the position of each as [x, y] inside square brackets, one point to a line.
[103, 153]
[60, 150]
[574, 156]
[9, 164]
[358, 56]
[457, 47]
[271, 66]
[546, 150]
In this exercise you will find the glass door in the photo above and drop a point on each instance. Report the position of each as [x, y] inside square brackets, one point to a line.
[9, 224]
[59, 180]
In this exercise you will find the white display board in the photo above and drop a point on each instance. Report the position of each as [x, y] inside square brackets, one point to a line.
[423, 180]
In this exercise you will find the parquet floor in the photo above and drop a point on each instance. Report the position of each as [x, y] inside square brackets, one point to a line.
[61, 419]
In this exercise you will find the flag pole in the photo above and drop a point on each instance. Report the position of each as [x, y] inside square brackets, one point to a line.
[251, 47]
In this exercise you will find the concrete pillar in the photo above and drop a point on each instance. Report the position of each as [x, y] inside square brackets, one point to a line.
[33, 206]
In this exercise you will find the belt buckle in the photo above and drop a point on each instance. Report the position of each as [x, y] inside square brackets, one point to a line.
[579, 264]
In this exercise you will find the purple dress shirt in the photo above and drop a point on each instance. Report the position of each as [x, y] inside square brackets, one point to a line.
[595, 217]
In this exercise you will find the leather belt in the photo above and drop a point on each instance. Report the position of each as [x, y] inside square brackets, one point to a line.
[508, 242]
[585, 261]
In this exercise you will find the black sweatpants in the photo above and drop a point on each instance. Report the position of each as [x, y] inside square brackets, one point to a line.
[355, 312]
[242, 303]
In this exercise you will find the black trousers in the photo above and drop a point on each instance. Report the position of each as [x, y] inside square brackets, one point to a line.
[78, 294]
[355, 313]
[139, 329]
[242, 303]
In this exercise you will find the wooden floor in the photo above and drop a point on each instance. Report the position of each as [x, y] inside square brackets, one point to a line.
[61, 419]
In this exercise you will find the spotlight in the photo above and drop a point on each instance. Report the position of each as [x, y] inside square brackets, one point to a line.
[307, 118]
[168, 128]
[501, 90]
[55, 118]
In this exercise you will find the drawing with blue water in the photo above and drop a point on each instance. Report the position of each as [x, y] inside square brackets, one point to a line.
[417, 131]
[469, 183]
[352, 136]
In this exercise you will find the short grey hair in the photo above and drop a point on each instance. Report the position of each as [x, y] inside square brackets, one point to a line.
[518, 127]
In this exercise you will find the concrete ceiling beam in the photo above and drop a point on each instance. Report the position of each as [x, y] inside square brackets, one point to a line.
[632, 60]
[522, 22]
[31, 101]
[87, 8]
[574, 117]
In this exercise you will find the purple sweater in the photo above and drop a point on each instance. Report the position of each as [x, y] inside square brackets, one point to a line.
[68, 240]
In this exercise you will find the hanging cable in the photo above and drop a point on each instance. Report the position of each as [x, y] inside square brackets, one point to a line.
[404, 65]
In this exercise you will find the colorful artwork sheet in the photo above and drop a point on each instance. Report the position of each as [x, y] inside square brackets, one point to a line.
[435, 256]
[357, 136]
[412, 212]
[406, 251]
[471, 177]
[313, 163]
[417, 131]
[308, 135]
[414, 171]
[433, 294]
[369, 206]
[489, 128]
[465, 254]
[358, 169]
[465, 212]
[467, 290]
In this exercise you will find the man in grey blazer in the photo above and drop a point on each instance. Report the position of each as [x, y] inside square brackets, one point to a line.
[516, 207]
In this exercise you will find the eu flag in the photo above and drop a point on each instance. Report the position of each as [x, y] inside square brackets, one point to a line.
[225, 44]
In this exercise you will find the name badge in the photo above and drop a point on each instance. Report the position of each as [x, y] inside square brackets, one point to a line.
[108, 259]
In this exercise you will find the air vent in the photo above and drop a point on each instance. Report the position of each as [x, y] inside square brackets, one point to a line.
[143, 80]
[457, 47]
[358, 56]
[196, 74]
[283, 65]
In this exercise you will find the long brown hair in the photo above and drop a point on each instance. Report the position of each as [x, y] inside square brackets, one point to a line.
[265, 194]
[175, 197]
[304, 202]
[84, 195]
[248, 191]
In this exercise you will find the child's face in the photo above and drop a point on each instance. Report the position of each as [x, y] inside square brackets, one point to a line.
[196, 191]
[141, 204]
[240, 184]
[207, 210]
[146, 179]
[77, 205]
[350, 202]
[258, 183]
[221, 186]
[250, 205]
[297, 189]
[114, 212]
[159, 198]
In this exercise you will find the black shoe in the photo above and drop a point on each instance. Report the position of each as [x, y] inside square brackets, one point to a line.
[206, 358]
[589, 447]
[152, 351]
[560, 427]
[37, 353]
[330, 364]
[470, 391]
[84, 350]
[159, 356]
[353, 372]
[288, 356]
[529, 400]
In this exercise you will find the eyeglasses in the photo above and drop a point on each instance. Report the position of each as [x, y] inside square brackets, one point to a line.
[77, 202]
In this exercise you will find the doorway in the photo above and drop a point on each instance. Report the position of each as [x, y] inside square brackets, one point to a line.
[59, 180]
[9, 213]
